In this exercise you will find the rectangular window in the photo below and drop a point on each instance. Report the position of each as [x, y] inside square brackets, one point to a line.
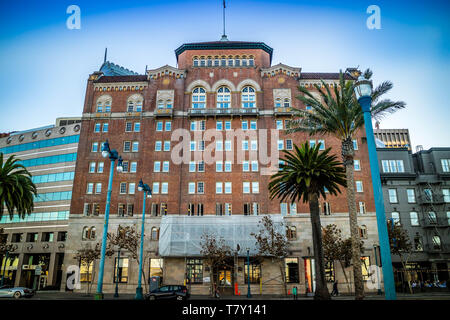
[192, 166]
[100, 167]
[355, 144]
[227, 167]
[283, 208]
[291, 267]
[192, 146]
[121, 270]
[445, 163]
[400, 166]
[98, 188]
[130, 209]
[255, 208]
[90, 188]
[133, 167]
[254, 166]
[244, 125]
[219, 125]
[86, 271]
[414, 218]
[155, 211]
[137, 127]
[97, 127]
[227, 125]
[128, 126]
[357, 165]
[253, 125]
[279, 124]
[321, 144]
[125, 166]
[166, 145]
[411, 195]
[326, 208]
[165, 166]
[292, 208]
[131, 188]
[92, 167]
[362, 207]
[245, 166]
[446, 194]
[219, 187]
[385, 165]
[254, 145]
[245, 145]
[255, 187]
[227, 145]
[121, 209]
[246, 187]
[94, 147]
[359, 186]
[280, 145]
[191, 188]
[200, 187]
[126, 146]
[155, 188]
[365, 264]
[157, 166]
[201, 145]
[219, 209]
[329, 271]
[255, 271]
[135, 147]
[105, 127]
[227, 207]
[168, 126]
[159, 126]
[393, 196]
[219, 166]
[288, 144]
[164, 187]
[228, 187]
[194, 270]
[158, 145]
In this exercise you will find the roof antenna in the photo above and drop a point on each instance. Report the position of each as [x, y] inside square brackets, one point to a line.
[106, 53]
[224, 36]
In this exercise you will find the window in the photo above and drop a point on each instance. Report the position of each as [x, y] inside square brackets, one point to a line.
[312, 143]
[227, 166]
[359, 186]
[219, 187]
[255, 208]
[418, 246]
[155, 234]
[279, 124]
[135, 146]
[254, 145]
[432, 218]
[199, 98]
[192, 145]
[155, 188]
[446, 194]
[280, 144]
[244, 125]
[159, 126]
[227, 145]
[165, 166]
[228, 188]
[158, 145]
[156, 267]
[201, 145]
[86, 271]
[90, 188]
[100, 167]
[253, 125]
[134, 103]
[436, 242]
[97, 127]
[130, 209]
[47, 237]
[121, 270]
[168, 126]
[392, 166]
[125, 165]
[291, 267]
[32, 237]
[329, 271]
[105, 127]
[321, 143]
[223, 98]
[245, 166]
[98, 188]
[126, 146]
[291, 233]
[255, 187]
[362, 207]
[255, 271]
[411, 195]
[200, 187]
[326, 208]
[395, 217]
[365, 263]
[283, 208]
[414, 218]
[227, 207]
[121, 209]
[445, 163]
[92, 167]
[227, 125]
[357, 165]
[133, 167]
[198, 125]
[248, 97]
[363, 232]
[246, 187]
[166, 145]
[245, 145]
[288, 144]
[128, 126]
[393, 196]
[163, 209]
[219, 166]
[219, 125]
[94, 147]
[255, 166]
[155, 207]
[137, 127]
[448, 218]
[219, 209]
[194, 270]
[355, 144]
[191, 187]
[428, 194]
[192, 166]
[131, 188]
[157, 166]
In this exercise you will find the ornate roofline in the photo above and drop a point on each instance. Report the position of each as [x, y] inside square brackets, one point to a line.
[281, 68]
[166, 71]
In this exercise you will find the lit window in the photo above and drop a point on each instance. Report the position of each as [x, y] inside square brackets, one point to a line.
[133, 166]
[137, 127]
[135, 147]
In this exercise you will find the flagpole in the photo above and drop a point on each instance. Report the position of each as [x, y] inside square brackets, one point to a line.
[224, 36]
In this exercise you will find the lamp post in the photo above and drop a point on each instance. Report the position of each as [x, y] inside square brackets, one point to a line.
[147, 193]
[249, 294]
[113, 156]
[363, 92]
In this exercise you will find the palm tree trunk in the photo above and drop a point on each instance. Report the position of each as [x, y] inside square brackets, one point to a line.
[348, 155]
[321, 292]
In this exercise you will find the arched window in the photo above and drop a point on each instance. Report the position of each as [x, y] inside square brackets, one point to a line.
[134, 103]
[291, 233]
[199, 98]
[223, 98]
[92, 234]
[248, 97]
[286, 103]
[104, 103]
[195, 62]
[85, 235]
[155, 233]
[89, 233]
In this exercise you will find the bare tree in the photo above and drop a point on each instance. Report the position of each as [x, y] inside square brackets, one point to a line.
[216, 253]
[336, 248]
[127, 238]
[87, 256]
[401, 246]
[272, 243]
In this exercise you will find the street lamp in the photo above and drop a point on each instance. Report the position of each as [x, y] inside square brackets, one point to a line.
[249, 294]
[363, 92]
[147, 193]
[113, 156]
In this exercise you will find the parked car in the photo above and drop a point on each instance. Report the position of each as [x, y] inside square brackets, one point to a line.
[15, 292]
[169, 292]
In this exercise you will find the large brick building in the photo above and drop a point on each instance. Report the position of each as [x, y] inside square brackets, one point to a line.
[217, 88]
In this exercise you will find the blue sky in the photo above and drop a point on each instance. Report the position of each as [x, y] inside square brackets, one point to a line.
[45, 65]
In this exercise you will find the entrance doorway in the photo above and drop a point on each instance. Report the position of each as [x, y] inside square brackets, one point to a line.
[310, 275]
[224, 276]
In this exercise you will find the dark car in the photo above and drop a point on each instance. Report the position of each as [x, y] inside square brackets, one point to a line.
[169, 292]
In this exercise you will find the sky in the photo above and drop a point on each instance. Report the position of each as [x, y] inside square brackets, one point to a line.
[45, 65]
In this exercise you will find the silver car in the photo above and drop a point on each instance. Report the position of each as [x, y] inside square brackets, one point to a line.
[15, 292]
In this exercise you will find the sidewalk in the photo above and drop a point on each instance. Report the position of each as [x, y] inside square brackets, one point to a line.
[57, 295]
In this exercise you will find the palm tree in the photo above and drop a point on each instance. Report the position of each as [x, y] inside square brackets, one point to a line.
[338, 113]
[305, 175]
[16, 188]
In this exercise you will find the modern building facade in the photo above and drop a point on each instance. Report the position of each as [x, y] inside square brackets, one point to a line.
[393, 138]
[49, 154]
[229, 106]
[416, 191]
